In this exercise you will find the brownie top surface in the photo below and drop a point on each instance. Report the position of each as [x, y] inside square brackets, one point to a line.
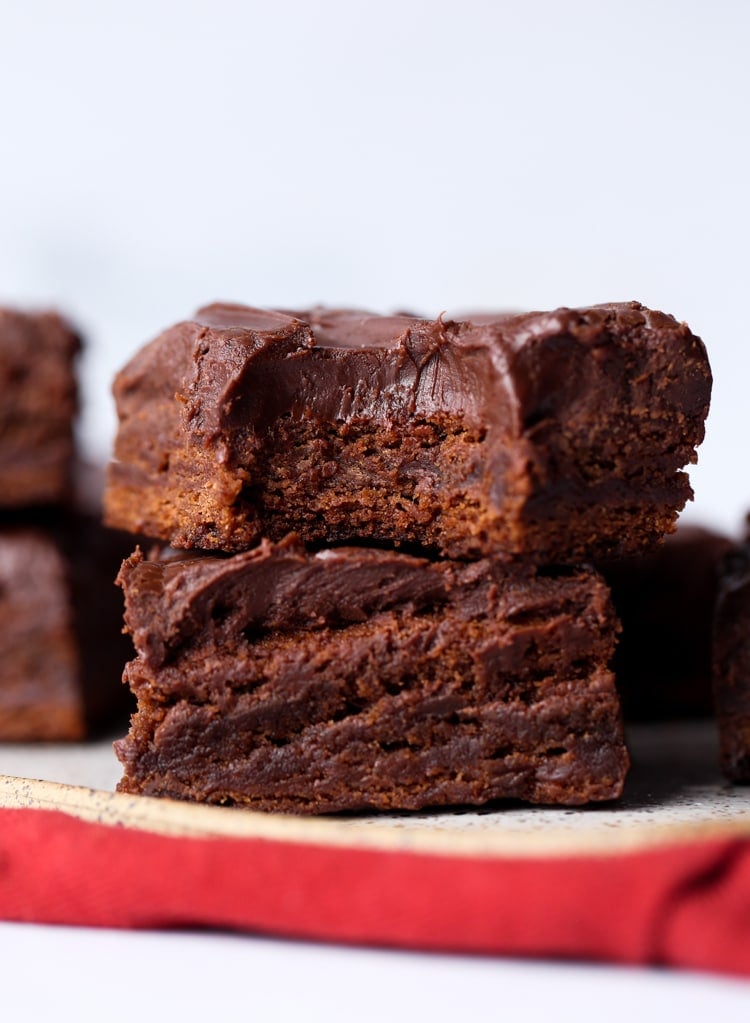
[355, 328]
[330, 328]
[171, 597]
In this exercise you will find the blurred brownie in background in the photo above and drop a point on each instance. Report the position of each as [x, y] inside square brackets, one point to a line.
[39, 695]
[665, 601]
[61, 642]
[38, 406]
[61, 646]
[731, 663]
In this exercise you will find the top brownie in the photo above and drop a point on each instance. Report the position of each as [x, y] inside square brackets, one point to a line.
[37, 408]
[558, 435]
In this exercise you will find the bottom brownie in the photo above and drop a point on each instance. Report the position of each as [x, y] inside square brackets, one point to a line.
[731, 664]
[61, 647]
[354, 679]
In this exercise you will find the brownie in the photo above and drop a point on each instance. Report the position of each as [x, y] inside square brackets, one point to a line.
[665, 601]
[557, 435]
[37, 409]
[39, 693]
[356, 678]
[731, 663]
[61, 644]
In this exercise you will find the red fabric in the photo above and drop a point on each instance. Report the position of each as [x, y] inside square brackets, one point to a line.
[683, 906]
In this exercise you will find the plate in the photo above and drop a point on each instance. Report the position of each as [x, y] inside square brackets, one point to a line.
[674, 793]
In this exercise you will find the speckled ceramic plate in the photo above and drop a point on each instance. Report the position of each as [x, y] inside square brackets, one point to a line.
[674, 792]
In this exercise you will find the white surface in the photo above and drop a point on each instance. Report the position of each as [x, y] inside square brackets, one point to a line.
[405, 153]
[185, 977]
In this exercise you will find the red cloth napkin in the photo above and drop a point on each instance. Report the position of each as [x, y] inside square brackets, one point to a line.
[686, 905]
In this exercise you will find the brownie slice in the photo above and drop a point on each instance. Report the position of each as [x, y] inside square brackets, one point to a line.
[39, 694]
[561, 435]
[665, 601]
[731, 664]
[61, 644]
[355, 678]
[37, 409]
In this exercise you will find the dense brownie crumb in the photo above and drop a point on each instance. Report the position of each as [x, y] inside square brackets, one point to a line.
[560, 436]
[355, 678]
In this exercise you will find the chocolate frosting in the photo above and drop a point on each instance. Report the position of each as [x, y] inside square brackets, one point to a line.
[405, 365]
[356, 365]
[273, 587]
[238, 365]
[281, 587]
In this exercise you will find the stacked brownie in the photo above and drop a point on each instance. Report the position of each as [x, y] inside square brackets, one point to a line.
[59, 640]
[376, 592]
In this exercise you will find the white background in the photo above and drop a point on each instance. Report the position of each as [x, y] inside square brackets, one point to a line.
[413, 154]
